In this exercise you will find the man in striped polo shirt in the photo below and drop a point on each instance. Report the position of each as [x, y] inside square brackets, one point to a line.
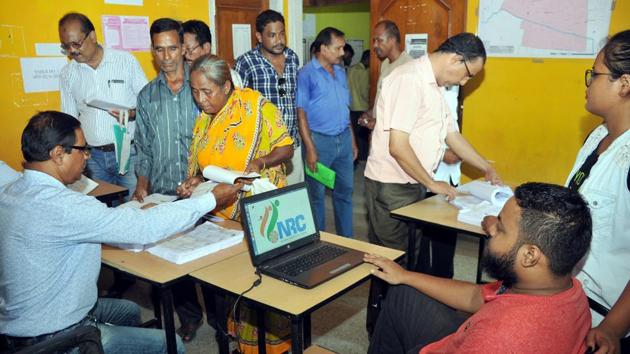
[101, 73]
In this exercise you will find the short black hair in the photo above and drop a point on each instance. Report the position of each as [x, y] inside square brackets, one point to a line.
[164, 25]
[325, 37]
[199, 29]
[617, 54]
[265, 17]
[391, 29]
[557, 220]
[348, 49]
[365, 55]
[86, 24]
[465, 44]
[44, 131]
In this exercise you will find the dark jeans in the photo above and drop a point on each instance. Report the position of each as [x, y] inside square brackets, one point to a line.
[410, 320]
[187, 303]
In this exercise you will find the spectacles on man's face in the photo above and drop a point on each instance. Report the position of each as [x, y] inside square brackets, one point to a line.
[87, 150]
[191, 50]
[74, 45]
[464, 59]
[589, 74]
[281, 90]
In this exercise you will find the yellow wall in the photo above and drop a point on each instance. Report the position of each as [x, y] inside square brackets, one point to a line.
[39, 21]
[528, 116]
[352, 19]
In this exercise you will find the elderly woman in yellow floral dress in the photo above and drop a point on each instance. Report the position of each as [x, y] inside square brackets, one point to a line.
[238, 130]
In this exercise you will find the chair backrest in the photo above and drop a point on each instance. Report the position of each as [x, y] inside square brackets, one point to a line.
[86, 338]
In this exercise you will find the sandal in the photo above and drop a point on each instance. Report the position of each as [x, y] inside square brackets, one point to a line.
[189, 331]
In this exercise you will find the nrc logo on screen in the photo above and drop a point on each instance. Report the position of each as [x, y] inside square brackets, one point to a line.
[273, 229]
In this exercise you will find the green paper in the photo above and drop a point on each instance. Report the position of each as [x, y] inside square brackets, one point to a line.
[324, 175]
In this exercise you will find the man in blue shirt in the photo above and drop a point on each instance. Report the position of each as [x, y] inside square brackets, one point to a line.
[323, 101]
[271, 68]
[50, 244]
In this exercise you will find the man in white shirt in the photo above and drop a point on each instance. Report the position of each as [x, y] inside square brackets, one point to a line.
[98, 73]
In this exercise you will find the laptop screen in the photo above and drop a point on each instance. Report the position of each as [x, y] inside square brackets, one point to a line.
[275, 219]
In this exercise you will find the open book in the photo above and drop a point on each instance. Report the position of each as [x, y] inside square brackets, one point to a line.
[482, 199]
[195, 243]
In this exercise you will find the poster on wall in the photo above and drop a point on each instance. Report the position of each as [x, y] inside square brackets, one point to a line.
[416, 44]
[544, 28]
[41, 74]
[130, 33]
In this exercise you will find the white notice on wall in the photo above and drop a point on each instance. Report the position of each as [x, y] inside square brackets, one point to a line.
[241, 39]
[48, 50]
[130, 33]
[125, 2]
[416, 44]
[41, 74]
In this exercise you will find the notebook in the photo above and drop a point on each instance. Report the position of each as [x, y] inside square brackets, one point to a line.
[284, 241]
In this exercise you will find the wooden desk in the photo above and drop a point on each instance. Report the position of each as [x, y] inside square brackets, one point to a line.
[162, 274]
[107, 192]
[235, 275]
[436, 211]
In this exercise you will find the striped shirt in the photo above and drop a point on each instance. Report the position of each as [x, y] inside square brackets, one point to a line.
[259, 74]
[164, 125]
[117, 79]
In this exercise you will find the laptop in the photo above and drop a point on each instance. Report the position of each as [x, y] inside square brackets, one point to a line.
[284, 241]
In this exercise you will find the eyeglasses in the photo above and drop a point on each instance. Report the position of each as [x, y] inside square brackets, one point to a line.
[190, 50]
[87, 150]
[74, 45]
[465, 65]
[589, 74]
[281, 90]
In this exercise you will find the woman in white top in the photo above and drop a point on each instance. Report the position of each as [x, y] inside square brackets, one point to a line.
[601, 174]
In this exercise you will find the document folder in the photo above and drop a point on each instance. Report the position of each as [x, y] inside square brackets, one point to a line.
[324, 175]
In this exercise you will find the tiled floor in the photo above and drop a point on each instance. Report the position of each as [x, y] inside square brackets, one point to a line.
[340, 325]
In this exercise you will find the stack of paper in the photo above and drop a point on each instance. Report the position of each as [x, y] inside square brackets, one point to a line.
[84, 185]
[155, 198]
[201, 241]
[484, 199]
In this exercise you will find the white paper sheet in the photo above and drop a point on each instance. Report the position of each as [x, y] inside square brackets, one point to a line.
[241, 39]
[130, 33]
[84, 185]
[41, 74]
[125, 2]
[48, 50]
[105, 105]
[221, 175]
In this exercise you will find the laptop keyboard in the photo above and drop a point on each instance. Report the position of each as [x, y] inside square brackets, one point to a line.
[310, 260]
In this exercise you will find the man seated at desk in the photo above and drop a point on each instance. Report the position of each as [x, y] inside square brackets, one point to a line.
[534, 307]
[50, 244]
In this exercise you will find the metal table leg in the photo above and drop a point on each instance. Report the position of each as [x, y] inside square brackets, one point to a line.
[260, 320]
[307, 330]
[482, 243]
[297, 335]
[169, 321]
[221, 318]
[411, 246]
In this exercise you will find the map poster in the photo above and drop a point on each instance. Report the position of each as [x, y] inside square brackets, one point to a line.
[544, 28]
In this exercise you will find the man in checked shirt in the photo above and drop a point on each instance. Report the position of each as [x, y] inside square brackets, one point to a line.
[271, 68]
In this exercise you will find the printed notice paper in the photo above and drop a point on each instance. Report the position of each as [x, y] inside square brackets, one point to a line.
[41, 74]
[130, 33]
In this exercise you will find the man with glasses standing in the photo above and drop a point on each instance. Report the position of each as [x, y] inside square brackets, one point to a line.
[271, 68]
[101, 73]
[413, 129]
[198, 42]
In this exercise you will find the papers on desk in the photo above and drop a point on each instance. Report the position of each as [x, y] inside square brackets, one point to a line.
[155, 198]
[84, 185]
[198, 242]
[483, 199]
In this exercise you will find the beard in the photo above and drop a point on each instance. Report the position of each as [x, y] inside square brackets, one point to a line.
[500, 267]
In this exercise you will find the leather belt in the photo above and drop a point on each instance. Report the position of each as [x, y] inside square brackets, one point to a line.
[105, 148]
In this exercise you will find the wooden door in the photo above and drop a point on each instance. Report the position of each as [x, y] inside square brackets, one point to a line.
[440, 19]
[231, 12]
